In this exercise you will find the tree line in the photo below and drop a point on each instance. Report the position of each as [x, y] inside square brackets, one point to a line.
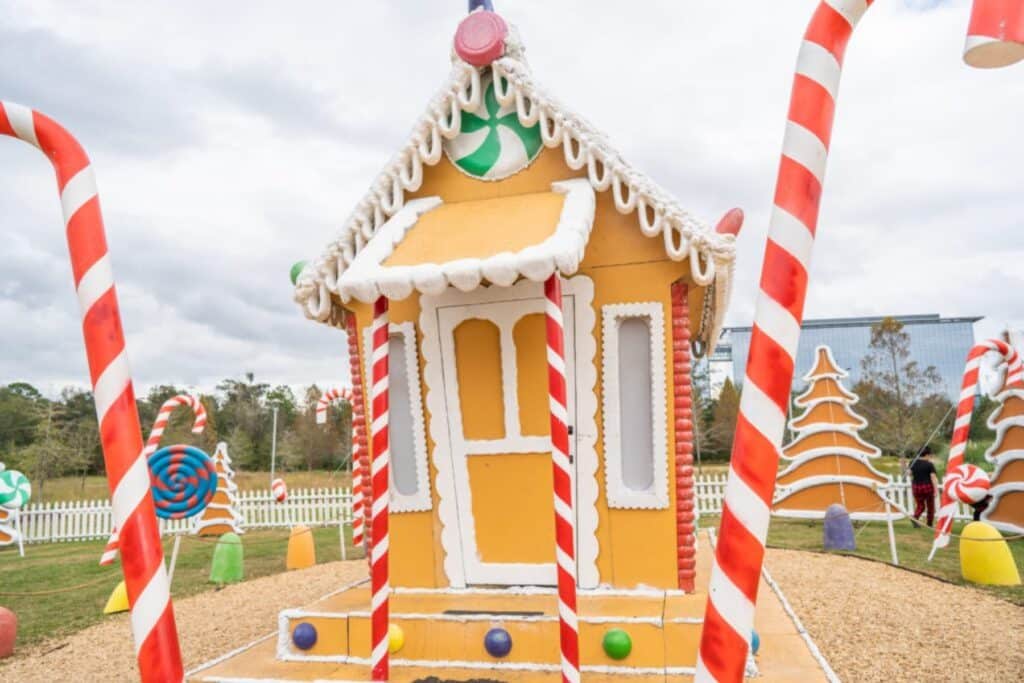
[905, 404]
[47, 438]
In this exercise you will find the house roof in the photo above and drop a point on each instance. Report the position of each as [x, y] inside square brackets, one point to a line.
[429, 246]
[711, 255]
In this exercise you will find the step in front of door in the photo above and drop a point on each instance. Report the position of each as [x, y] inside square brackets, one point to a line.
[457, 636]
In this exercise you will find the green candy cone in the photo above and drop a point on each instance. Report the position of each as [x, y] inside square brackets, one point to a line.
[227, 560]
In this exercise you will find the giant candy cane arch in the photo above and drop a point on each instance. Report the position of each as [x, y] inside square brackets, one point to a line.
[326, 399]
[163, 416]
[152, 616]
[996, 38]
[1014, 375]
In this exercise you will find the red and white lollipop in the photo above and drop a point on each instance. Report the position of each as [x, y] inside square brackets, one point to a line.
[967, 483]
[278, 488]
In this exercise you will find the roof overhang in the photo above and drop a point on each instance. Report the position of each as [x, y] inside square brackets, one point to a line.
[428, 246]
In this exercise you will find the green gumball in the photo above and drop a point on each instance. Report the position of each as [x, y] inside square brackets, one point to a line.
[297, 270]
[617, 644]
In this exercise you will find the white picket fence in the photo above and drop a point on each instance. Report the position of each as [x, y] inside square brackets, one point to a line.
[89, 520]
[710, 490]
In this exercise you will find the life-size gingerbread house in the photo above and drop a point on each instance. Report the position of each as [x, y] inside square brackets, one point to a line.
[501, 196]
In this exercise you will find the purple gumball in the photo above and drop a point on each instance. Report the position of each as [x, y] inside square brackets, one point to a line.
[304, 636]
[498, 642]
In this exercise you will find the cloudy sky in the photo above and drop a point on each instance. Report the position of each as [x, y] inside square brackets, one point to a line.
[231, 140]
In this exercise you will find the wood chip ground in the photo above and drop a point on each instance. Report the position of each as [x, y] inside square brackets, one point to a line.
[872, 622]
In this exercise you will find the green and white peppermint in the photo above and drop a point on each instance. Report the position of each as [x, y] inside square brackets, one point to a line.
[492, 144]
[15, 489]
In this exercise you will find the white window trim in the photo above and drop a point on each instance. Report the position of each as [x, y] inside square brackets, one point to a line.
[419, 501]
[620, 495]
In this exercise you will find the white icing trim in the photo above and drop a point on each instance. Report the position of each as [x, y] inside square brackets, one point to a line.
[997, 492]
[446, 428]
[837, 375]
[619, 495]
[782, 493]
[419, 501]
[1001, 426]
[810, 405]
[796, 462]
[582, 145]
[807, 432]
[235, 520]
[367, 279]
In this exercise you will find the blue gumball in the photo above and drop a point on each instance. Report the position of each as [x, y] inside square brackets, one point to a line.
[498, 642]
[304, 636]
[755, 642]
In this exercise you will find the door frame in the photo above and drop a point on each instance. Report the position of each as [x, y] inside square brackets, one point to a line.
[578, 290]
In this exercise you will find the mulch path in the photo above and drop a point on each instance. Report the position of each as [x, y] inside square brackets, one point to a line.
[209, 625]
[872, 622]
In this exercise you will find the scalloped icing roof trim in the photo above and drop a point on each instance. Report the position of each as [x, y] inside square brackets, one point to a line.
[367, 279]
[583, 146]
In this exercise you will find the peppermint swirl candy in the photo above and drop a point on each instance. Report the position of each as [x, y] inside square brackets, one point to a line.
[492, 143]
[967, 483]
[15, 489]
[183, 480]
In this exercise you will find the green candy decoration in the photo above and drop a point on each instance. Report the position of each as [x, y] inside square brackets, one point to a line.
[227, 566]
[297, 270]
[617, 644]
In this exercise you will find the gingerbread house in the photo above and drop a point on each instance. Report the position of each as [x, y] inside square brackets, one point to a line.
[519, 276]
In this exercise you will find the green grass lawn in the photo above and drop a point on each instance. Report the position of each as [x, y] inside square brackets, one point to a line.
[912, 547]
[57, 566]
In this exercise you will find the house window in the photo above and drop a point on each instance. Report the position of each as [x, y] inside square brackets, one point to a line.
[410, 488]
[635, 419]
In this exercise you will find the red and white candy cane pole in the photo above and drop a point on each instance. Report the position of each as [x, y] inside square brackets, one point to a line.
[962, 426]
[156, 434]
[152, 617]
[379, 507]
[569, 631]
[729, 617]
[347, 394]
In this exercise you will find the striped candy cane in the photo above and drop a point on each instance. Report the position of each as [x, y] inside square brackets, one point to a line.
[347, 394]
[729, 617]
[110, 550]
[569, 634]
[360, 449]
[327, 398]
[379, 506]
[962, 426]
[156, 434]
[156, 638]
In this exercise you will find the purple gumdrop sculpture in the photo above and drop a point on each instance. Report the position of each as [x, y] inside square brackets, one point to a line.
[838, 529]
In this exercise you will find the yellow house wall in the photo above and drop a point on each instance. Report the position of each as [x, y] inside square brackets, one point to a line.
[636, 546]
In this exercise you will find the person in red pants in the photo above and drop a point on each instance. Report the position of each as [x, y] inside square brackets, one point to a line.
[924, 484]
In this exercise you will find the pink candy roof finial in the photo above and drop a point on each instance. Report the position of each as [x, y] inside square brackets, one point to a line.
[480, 38]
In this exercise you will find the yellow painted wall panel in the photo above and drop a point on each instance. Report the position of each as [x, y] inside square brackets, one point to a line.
[331, 634]
[513, 507]
[478, 367]
[530, 336]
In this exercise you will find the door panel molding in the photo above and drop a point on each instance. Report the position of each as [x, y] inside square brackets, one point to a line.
[437, 314]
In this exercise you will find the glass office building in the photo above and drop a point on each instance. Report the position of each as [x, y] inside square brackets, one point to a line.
[937, 341]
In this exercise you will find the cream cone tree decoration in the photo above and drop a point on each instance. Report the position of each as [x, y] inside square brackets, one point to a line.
[828, 462]
[1006, 510]
[221, 515]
